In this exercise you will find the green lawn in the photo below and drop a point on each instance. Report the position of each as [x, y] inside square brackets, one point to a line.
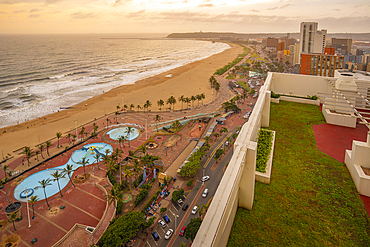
[258, 57]
[311, 201]
[244, 85]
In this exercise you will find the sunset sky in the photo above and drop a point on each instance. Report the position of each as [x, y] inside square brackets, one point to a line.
[167, 16]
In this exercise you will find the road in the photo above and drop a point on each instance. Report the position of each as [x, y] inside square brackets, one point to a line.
[194, 197]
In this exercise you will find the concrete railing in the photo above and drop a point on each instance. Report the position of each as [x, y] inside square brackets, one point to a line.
[236, 187]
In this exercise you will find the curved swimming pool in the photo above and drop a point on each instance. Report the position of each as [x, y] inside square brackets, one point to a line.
[88, 151]
[122, 131]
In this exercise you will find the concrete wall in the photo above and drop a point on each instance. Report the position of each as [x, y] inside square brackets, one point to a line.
[339, 119]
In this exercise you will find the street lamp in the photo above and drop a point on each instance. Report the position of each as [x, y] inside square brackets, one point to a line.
[26, 191]
[175, 216]
[202, 177]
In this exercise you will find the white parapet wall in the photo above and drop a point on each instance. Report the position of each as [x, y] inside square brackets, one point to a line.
[356, 158]
[340, 119]
[300, 100]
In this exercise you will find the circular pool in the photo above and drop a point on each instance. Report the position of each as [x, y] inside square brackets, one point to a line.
[122, 131]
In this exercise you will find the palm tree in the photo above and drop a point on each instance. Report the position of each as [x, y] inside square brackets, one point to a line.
[58, 175]
[37, 155]
[157, 119]
[82, 132]
[182, 100]
[69, 170]
[41, 147]
[132, 106]
[143, 149]
[203, 97]
[160, 103]
[193, 99]
[84, 162]
[111, 167]
[107, 123]
[125, 106]
[145, 106]
[69, 137]
[148, 104]
[59, 135]
[74, 139]
[199, 98]
[13, 217]
[116, 113]
[222, 130]
[33, 200]
[5, 167]
[187, 100]
[43, 183]
[28, 151]
[171, 101]
[115, 195]
[95, 127]
[117, 107]
[128, 131]
[138, 108]
[97, 158]
[48, 145]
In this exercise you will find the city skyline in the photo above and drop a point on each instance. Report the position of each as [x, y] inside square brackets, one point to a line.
[164, 16]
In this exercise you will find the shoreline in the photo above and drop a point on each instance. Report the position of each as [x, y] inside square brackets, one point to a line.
[190, 79]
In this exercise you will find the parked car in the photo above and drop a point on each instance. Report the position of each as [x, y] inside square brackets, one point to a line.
[165, 217]
[182, 231]
[195, 210]
[179, 201]
[168, 234]
[185, 207]
[205, 178]
[161, 222]
[155, 235]
[205, 193]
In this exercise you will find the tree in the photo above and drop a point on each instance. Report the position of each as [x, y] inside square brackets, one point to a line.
[84, 162]
[69, 137]
[177, 194]
[171, 101]
[37, 155]
[33, 200]
[138, 108]
[115, 196]
[128, 132]
[69, 170]
[199, 98]
[216, 135]
[192, 228]
[5, 167]
[97, 159]
[202, 209]
[146, 225]
[193, 99]
[223, 130]
[122, 229]
[132, 106]
[13, 217]
[187, 100]
[59, 135]
[148, 104]
[48, 145]
[157, 119]
[41, 147]
[28, 151]
[116, 113]
[202, 97]
[182, 100]
[107, 123]
[82, 132]
[43, 184]
[160, 103]
[218, 154]
[58, 175]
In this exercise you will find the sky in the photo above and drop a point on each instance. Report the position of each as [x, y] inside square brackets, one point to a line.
[168, 16]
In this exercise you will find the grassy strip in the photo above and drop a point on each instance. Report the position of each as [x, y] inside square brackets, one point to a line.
[311, 201]
[263, 149]
[236, 60]
[244, 85]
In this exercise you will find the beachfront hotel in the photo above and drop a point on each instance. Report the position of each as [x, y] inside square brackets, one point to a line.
[343, 101]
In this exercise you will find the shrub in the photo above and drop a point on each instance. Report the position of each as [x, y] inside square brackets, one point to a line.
[146, 186]
[177, 194]
[135, 183]
[140, 179]
[119, 207]
[190, 182]
[163, 210]
[152, 199]
[141, 196]
[275, 95]
[263, 149]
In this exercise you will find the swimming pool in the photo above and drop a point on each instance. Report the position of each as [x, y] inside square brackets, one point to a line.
[121, 131]
[88, 151]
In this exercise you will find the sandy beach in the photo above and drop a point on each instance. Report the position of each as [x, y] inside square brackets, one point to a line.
[188, 80]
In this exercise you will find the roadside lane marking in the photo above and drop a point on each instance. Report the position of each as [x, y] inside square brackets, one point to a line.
[214, 151]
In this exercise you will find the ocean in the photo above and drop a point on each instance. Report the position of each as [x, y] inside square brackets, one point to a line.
[40, 74]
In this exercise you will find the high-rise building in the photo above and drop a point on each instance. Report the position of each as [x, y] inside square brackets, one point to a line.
[312, 40]
[321, 64]
[345, 44]
[281, 46]
[272, 42]
[294, 53]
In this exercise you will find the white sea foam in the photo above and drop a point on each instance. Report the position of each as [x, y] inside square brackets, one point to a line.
[68, 88]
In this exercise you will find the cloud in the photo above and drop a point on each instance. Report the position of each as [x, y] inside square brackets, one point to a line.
[120, 2]
[254, 10]
[35, 10]
[281, 7]
[3, 13]
[335, 9]
[136, 14]
[33, 16]
[10, 2]
[81, 15]
[206, 5]
[47, 2]
[18, 11]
